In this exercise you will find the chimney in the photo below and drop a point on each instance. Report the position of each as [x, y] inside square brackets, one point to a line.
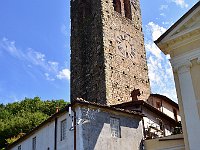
[57, 109]
[134, 94]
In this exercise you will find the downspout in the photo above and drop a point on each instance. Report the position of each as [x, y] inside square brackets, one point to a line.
[143, 124]
[74, 130]
[55, 133]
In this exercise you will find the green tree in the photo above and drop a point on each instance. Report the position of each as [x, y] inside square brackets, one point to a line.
[19, 118]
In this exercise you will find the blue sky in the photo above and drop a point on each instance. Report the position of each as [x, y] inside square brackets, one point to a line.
[35, 47]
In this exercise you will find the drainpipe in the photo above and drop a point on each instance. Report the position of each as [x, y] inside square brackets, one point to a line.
[55, 133]
[74, 130]
[144, 133]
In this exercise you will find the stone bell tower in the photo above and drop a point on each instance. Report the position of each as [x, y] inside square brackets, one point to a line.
[108, 59]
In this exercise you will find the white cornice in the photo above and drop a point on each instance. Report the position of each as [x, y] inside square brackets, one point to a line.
[183, 62]
[169, 45]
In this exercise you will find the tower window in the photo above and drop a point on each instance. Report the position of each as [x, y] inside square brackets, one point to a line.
[115, 127]
[161, 125]
[117, 5]
[158, 105]
[63, 129]
[85, 10]
[34, 143]
[175, 114]
[19, 147]
[127, 9]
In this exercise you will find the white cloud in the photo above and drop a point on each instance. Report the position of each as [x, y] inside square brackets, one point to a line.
[162, 7]
[35, 58]
[64, 74]
[160, 70]
[162, 14]
[54, 66]
[156, 30]
[48, 77]
[153, 49]
[180, 3]
[9, 46]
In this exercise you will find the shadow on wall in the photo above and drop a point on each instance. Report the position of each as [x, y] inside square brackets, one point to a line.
[97, 133]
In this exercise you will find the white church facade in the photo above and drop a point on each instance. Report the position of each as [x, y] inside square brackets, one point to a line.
[109, 72]
[182, 42]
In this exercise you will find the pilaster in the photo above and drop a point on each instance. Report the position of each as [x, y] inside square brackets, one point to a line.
[182, 65]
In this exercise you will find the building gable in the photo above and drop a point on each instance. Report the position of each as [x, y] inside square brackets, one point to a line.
[187, 25]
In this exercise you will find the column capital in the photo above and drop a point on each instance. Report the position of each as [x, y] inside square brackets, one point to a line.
[182, 67]
[182, 63]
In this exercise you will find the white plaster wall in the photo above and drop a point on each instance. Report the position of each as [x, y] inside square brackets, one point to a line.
[44, 139]
[68, 143]
[45, 136]
[168, 112]
[152, 120]
[166, 107]
[79, 133]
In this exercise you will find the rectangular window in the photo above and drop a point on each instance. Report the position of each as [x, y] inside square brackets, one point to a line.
[34, 143]
[158, 105]
[63, 129]
[127, 9]
[175, 114]
[19, 147]
[115, 127]
[117, 5]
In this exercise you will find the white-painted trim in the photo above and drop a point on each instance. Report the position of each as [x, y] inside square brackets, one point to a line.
[79, 131]
[184, 59]
[182, 41]
[190, 110]
[182, 23]
[183, 34]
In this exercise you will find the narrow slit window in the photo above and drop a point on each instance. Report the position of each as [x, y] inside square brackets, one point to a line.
[19, 147]
[127, 9]
[158, 105]
[175, 114]
[115, 127]
[85, 10]
[34, 143]
[63, 129]
[117, 5]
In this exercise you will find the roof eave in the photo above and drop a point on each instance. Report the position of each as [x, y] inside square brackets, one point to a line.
[157, 42]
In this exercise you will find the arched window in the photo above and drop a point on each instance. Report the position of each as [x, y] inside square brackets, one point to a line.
[117, 5]
[127, 9]
[84, 9]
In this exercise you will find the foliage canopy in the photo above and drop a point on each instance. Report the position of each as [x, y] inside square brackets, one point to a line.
[18, 118]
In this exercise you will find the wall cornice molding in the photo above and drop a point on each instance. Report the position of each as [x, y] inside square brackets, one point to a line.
[182, 67]
[183, 63]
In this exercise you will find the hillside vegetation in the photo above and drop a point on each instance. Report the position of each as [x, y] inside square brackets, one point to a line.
[18, 118]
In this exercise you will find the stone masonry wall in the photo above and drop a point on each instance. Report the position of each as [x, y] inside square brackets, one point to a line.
[87, 56]
[108, 59]
[125, 57]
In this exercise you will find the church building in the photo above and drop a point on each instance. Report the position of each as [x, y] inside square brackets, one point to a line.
[111, 105]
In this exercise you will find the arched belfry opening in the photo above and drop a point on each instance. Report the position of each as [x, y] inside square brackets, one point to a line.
[117, 5]
[85, 9]
[127, 9]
